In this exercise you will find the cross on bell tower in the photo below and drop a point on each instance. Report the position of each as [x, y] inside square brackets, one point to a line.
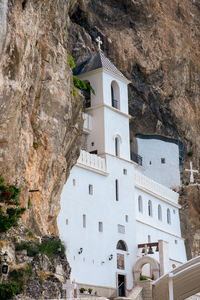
[99, 42]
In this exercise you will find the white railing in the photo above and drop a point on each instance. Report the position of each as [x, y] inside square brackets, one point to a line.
[150, 185]
[92, 161]
[87, 125]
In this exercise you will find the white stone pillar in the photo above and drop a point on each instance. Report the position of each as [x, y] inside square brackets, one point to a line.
[170, 286]
[163, 256]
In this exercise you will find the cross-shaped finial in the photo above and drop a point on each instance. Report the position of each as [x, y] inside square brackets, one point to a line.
[99, 42]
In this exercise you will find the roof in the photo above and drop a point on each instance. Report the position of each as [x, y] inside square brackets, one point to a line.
[97, 61]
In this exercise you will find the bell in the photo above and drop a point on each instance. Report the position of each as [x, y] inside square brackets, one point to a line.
[143, 250]
[157, 249]
[150, 251]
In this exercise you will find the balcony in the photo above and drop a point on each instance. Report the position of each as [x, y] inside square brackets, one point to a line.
[136, 158]
[87, 125]
[92, 162]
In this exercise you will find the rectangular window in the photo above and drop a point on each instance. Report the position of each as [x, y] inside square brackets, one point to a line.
[125, 171]
[100, 226]
[163, 160]
[90, 189]
[116, 190]
[67, 221]
[121, 228]
[126, 218]
[84, 221]
[74, 182]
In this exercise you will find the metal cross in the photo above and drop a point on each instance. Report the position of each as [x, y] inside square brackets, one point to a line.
[191, 173]
[99, 42]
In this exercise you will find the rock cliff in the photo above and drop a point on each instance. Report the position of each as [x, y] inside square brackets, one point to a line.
[40, 121]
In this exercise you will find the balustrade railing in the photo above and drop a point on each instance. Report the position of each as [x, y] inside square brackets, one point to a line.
[146, 183]
[92, 161]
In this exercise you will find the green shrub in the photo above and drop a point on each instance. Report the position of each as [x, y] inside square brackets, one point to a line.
[32, 249]
[81, 85]
[35, 145]
[9, 290]
[143, 277]
[29, 203]
[71, 62]
[190, 153]
[51, 248]
[9, 195]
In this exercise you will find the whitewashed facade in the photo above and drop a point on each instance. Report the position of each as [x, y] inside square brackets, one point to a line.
[106, 198]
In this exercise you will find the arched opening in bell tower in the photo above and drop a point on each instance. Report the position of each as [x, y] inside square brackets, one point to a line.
[115, 95]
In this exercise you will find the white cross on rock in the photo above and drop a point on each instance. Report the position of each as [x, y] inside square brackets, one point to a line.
[191, 173]
[99, 42]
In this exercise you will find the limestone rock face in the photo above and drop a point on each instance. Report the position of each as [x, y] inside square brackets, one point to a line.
[155, 43]
[40, 120]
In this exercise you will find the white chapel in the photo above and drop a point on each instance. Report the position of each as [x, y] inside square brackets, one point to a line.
[119, 217]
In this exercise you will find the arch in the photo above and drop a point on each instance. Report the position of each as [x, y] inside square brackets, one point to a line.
[115, 95]
[121, 245]
[168, 216]
[154, 266]
[159, 212]
[117, 141]
[140, 204]
[150, 210]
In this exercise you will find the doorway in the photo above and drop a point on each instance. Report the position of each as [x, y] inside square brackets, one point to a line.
[121, 285]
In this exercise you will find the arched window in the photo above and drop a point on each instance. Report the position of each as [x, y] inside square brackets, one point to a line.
[168, 216]
[117, 146]
[140, 204]
[121, 245]
[115, 95]
[150, 212]
[159, 213]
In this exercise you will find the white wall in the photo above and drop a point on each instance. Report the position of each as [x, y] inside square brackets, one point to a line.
[101, 206]
[152, 150]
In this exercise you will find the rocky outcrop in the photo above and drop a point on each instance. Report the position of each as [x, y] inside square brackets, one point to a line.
[155, 43]
[40, 120]
[37, 264]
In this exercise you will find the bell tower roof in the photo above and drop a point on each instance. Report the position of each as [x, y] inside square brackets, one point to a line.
[97, 61]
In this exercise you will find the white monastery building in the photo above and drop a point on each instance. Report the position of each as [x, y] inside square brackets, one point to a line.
[118, 212]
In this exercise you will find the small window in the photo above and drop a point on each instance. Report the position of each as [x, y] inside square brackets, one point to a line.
[140, 204]
[150, 212]
[168, 216]
[100, 226]
[174, 211]
[126, 218]
[159, 213]
[67, 221]
[162, 160]
[84, 221]
[125, 171]
[121, 228]
[74, 182]
[116, 190]
[176, 242]
[150, 162]
[149, 238]
[90, 189]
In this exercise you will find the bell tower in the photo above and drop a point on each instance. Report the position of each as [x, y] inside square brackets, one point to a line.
[108, 107]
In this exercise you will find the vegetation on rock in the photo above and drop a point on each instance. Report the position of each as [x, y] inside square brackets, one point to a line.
[10, 212]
